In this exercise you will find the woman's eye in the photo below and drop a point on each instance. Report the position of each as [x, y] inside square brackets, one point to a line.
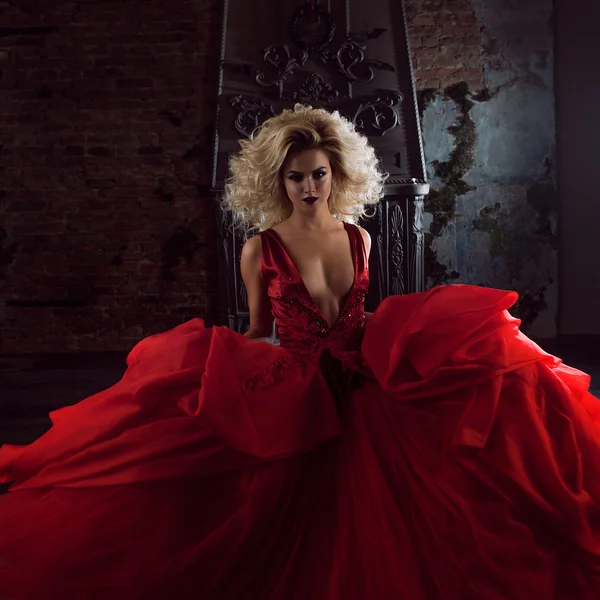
[318, 175]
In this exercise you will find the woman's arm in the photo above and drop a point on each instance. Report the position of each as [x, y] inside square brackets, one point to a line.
[259, 304]
[367, 242]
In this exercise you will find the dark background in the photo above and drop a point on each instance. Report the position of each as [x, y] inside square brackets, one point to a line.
[107, 231]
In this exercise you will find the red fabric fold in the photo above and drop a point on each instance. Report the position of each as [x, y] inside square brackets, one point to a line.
[465, 466]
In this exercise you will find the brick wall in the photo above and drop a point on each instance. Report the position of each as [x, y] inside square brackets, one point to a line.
[106, 228]
[446, 43]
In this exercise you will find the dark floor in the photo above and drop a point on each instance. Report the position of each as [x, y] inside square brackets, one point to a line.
[31, 386]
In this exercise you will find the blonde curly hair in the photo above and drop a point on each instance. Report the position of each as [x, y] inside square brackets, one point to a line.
[254, 192]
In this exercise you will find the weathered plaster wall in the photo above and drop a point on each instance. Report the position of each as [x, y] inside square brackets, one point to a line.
[489, 142]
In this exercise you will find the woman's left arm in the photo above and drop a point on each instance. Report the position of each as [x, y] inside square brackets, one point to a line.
[367, 244]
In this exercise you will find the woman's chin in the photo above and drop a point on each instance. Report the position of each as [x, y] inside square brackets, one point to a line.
[310, 207]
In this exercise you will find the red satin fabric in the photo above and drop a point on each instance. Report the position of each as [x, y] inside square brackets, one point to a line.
[465, 466]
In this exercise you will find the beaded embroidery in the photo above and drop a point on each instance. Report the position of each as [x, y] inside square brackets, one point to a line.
[274, 373]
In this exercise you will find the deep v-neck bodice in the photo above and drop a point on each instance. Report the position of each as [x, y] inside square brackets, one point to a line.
[294, 266]
[301, 324]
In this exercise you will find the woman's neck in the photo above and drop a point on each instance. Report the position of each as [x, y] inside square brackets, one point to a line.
[317, 221]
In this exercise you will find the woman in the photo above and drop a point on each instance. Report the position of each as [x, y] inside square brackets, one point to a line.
[435, 453]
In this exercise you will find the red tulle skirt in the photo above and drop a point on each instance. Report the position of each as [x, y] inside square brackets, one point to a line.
[466, 466]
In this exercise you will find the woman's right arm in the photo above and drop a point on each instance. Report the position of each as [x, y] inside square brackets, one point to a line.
[259, 304]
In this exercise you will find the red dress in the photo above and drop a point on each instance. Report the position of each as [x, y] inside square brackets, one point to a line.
[465, 464]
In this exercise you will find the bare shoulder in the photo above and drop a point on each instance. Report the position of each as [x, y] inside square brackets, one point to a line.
[252, 249]
[366, 239]
[250, 259]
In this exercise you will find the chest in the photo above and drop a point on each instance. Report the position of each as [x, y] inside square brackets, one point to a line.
[325, 264]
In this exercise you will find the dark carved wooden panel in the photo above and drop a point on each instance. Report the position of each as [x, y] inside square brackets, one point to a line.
[346, 55]
[396, 263]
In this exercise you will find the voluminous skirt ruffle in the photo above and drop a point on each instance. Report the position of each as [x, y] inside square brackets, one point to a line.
[464, 466]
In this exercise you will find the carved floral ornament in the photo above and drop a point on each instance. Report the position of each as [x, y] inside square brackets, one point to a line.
[285, 72]
[312, 27]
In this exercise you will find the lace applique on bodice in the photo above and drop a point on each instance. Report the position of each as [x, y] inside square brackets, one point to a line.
[301, 325]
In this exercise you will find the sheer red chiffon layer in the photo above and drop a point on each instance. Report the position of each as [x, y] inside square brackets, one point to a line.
[465, 465]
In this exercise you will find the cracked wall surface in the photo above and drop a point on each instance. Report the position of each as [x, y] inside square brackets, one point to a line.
[490, 146]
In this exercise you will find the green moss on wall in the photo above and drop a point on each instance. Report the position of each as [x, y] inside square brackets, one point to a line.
[441, 202]
[520, 237]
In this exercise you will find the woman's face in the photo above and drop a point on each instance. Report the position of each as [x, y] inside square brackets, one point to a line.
[307, 179]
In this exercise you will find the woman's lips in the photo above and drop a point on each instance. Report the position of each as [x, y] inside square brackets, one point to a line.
[310, 199]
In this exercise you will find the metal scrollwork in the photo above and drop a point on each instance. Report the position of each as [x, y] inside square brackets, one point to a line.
[280, 58]
[351, 55]
[374, 115]
[384, 115]
[418, 239]
[251, 114]
[312, 29]
[396, 228]
[381, 249]
[314, 89]
[226, 275]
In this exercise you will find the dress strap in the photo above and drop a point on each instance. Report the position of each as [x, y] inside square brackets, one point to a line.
[274, 262]
[361, 261]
